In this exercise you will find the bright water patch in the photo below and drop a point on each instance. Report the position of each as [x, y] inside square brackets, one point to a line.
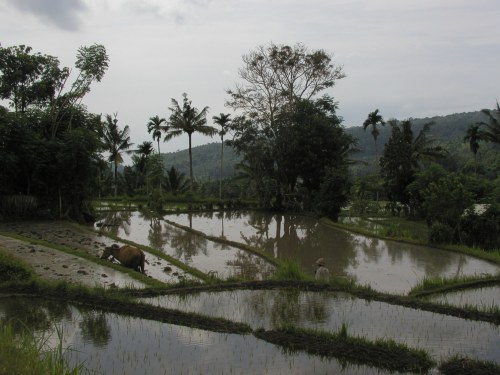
[485, 299]
[386, 266]
[194, 250]
[112, 344]
[442, 336]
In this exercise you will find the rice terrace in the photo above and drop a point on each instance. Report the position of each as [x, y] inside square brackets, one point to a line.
[294, 244]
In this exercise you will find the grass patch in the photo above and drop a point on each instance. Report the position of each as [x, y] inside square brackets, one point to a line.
[290, 270]
[13, 268]
[467, 366]
[384, 354]
[25, 354]
[431, 285]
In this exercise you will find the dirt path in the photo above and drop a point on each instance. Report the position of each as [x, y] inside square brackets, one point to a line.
[54, 264]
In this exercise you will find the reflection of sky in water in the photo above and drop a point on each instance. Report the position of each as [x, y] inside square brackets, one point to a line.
[441, 335]
[196, 251]
[387, 266]
[482, 298]
[136, 346]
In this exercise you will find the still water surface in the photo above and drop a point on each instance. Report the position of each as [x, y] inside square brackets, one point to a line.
[442, 336]
[486, 298]
[112, 344]
[386, 266]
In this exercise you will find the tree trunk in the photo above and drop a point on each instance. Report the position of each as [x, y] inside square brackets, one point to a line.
[221, 161]
[159, 161]
[190, 164]
[116, 182]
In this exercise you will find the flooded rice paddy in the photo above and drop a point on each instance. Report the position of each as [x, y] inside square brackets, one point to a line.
[113, 344]
[442, 336]
[386, 266]
[486, 298]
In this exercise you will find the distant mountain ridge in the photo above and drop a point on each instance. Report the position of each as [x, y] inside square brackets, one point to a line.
[206, 158]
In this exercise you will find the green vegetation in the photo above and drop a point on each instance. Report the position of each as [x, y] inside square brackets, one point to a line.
[467, 366]
[24, 354]
[440, 284]
[13, 269]
[385, 354]
[290, 270]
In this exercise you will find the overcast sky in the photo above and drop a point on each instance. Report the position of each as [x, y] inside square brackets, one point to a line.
[408, 58]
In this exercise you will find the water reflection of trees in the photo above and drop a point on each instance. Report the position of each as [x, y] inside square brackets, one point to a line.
[289, 306]
[38, 315]
[113, 221]
[300, 238]
[95, 328]
[248, 266]
[186, 245]
[33, 314]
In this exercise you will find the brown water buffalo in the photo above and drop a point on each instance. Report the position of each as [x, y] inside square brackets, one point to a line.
[128, 256]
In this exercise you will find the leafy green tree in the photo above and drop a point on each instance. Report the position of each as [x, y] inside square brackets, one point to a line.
[276, 81]
[223, 120]
[115, 141]
[29, 79]
[275, 76]
[189, 120]
[373, 120]
[445, 200]
[403, 157]
[92, 63]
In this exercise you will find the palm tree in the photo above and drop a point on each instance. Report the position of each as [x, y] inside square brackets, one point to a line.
[222, 120]
[115, 141]
[176, 181]
[473, 135]
[188, 120]
[155, 126]
[373, 120]
[492, 131]
[422, 148]
[143, 152]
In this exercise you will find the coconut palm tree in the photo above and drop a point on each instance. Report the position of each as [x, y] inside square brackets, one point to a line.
[155, 126]
[115, 141]
[473, 136]
[189, 120]
[373, 120]
[222, 120]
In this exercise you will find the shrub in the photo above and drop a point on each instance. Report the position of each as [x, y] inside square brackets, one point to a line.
[13, 268]
[440, 233]
[481, 229]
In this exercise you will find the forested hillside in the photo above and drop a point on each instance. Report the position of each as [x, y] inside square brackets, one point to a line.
[447, 130]
[206, 161]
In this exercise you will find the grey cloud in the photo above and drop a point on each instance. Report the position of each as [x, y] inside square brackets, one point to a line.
[63, 13]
